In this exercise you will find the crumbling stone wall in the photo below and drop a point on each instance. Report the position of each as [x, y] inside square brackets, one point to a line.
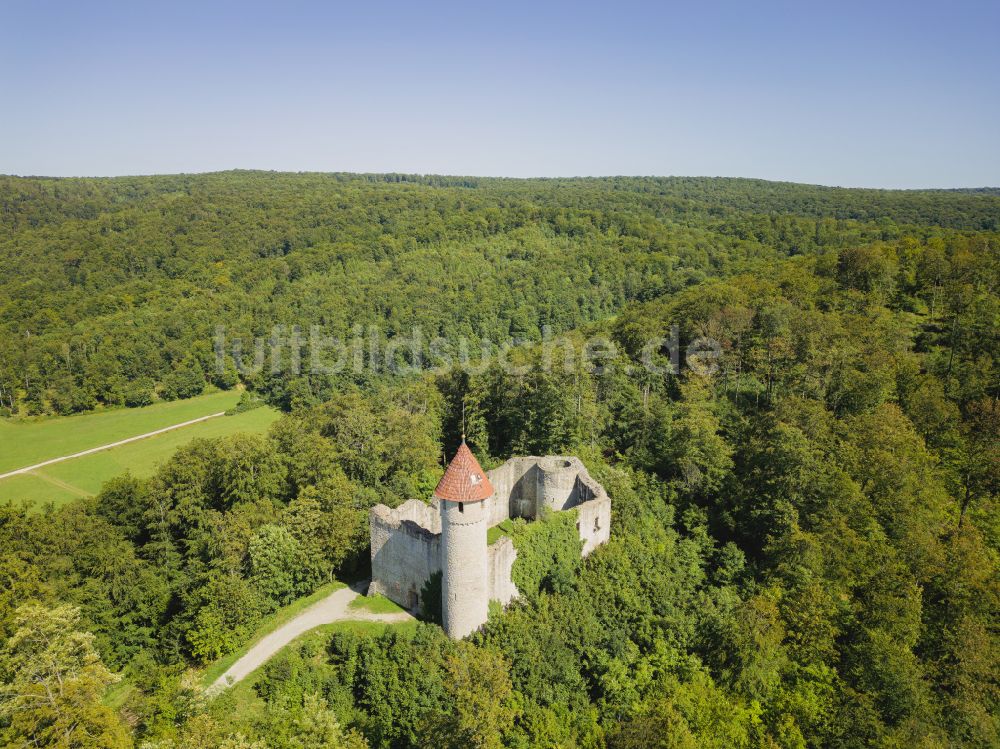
[593, 520]
[501, 556]
[406, 550]
[514, 488]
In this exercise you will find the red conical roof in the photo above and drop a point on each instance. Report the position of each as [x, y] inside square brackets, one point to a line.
[464, 480]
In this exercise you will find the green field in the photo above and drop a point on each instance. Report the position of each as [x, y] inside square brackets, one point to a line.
[27, 443]
[377, 604]
[33, 441]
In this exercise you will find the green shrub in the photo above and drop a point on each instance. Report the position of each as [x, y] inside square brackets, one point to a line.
[548, 553]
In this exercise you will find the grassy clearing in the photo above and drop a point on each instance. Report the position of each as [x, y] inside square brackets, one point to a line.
[142, 458]
[498, 531]
[33, 441]
[377, 604]
[35, 490]
[62, 482]
[268, 625]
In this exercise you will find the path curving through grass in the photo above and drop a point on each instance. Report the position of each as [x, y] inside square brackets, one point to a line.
[336, 607]
[109, 446]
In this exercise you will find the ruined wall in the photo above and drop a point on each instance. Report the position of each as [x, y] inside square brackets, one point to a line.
[407, 542]
[501, 556]
[406, 550]
[593, 520]
[556, 483]
[514, 488]
[524, 486]
[530, 485]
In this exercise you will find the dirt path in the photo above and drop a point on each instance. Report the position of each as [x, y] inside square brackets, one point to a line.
[333, 608]
[29, 469]
[60, 483]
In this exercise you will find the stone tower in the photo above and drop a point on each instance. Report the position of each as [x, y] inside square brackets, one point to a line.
[463, 493]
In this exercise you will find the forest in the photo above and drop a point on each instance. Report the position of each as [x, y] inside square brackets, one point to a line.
[805, 531]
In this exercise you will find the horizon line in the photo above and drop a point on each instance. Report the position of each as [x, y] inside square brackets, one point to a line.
[424, 175]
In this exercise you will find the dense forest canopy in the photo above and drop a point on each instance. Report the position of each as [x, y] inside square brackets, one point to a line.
[111, 288]
[805, 535]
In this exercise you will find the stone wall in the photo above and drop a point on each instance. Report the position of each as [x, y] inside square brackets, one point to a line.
[593, 520]
[406, 550]
[525, 487]
[501, 556]
[514, 486]
[406, 541]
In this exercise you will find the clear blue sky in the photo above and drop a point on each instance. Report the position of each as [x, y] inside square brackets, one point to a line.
[881, 94]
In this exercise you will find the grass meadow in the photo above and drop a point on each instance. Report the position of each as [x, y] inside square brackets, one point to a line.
[29, 442]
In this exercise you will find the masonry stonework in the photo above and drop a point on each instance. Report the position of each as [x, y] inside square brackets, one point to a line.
[465, 578]
[417, 539]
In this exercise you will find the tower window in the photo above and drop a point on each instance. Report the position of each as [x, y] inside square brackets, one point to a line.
[461, 506]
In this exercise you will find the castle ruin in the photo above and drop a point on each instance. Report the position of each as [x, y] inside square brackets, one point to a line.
[411, 543]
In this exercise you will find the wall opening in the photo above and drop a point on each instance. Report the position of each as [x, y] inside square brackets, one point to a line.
[461, 506]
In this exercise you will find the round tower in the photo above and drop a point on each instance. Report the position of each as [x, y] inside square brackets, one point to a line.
[462, 494]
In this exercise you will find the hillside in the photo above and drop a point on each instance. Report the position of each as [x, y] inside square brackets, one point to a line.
[111, 288]
[805, 530]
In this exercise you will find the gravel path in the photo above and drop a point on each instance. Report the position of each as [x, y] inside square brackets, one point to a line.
[333, 608]
[28, 469]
